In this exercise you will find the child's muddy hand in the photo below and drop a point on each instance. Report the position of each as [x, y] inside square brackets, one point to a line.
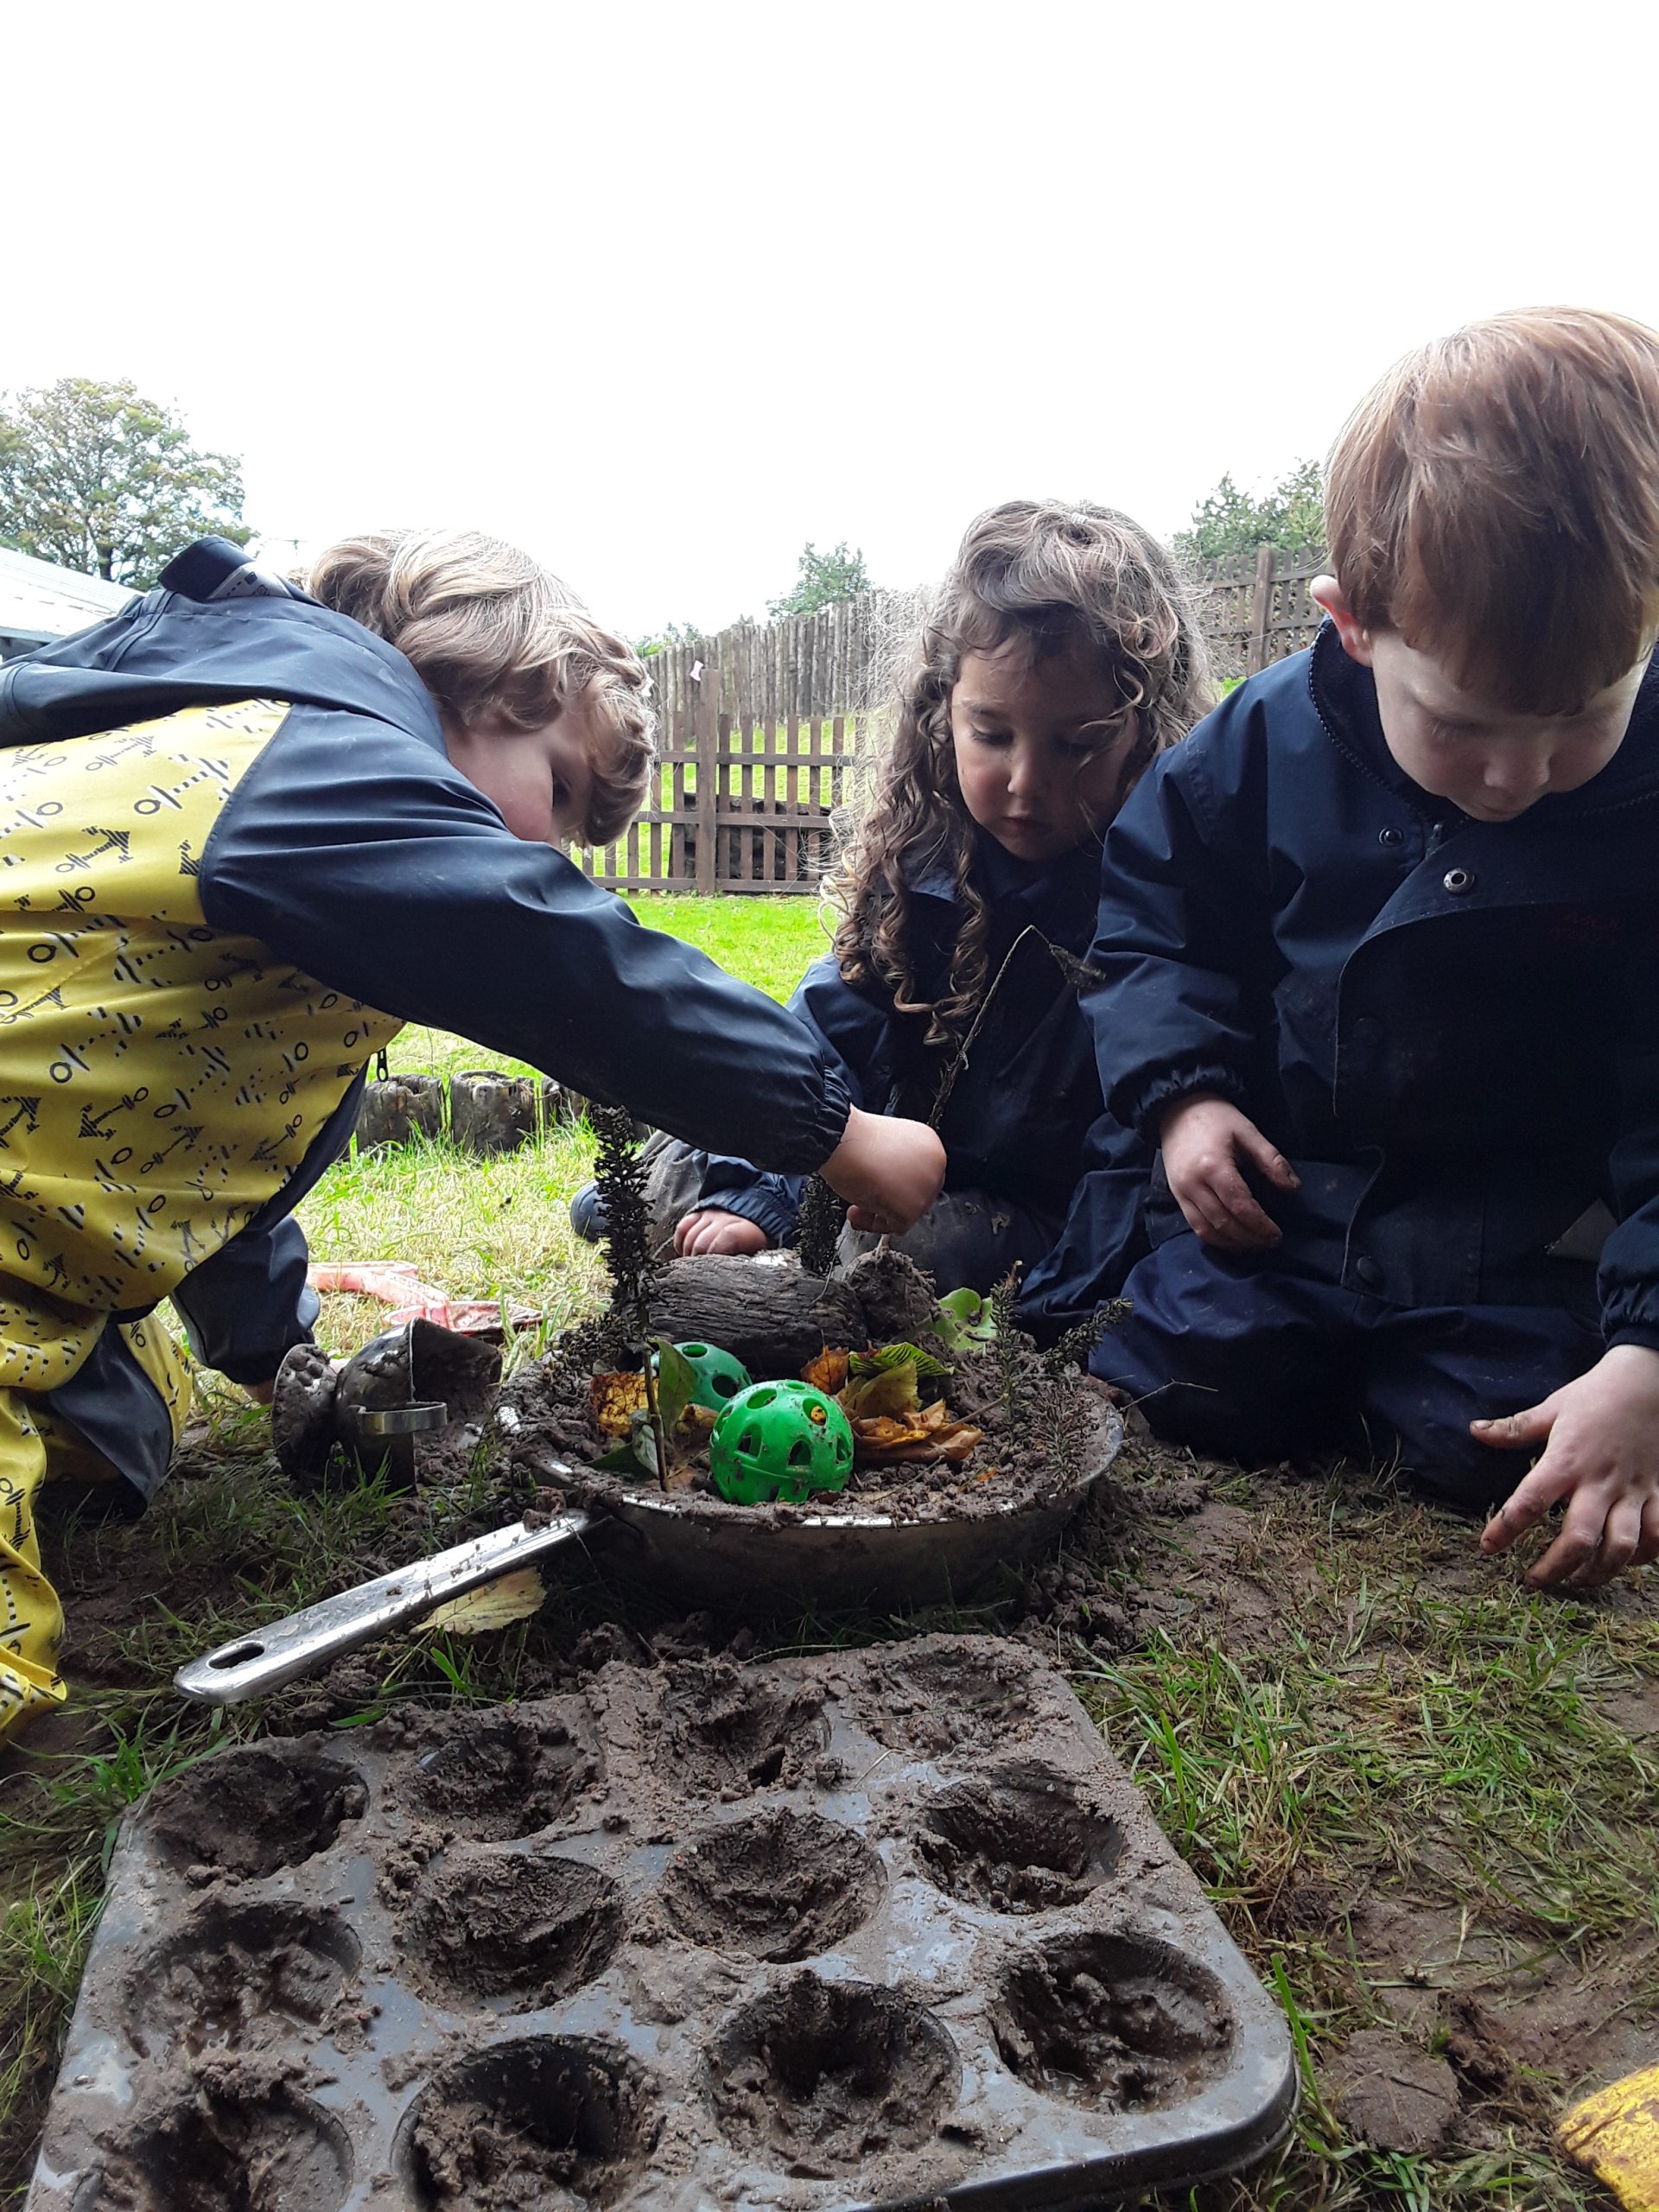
[711, 1230]
[1600, 1439]
[1203, 1139]
[889, 1171]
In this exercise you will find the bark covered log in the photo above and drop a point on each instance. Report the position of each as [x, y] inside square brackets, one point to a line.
[768, 1313]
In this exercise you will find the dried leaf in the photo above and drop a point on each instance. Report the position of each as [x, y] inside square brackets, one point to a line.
[827, 1372]
[615, 1399]
[510, 1598]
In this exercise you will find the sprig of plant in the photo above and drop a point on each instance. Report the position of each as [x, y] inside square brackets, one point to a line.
[1073, 1347]
[620, 1176]
[1007, 1342]
[819, 1225]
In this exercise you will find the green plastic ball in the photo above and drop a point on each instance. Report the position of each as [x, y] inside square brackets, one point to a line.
[780, 1440]
[720, 1377]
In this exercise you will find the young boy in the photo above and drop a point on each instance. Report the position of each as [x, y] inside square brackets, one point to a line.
[234, 820]
[1380, 944]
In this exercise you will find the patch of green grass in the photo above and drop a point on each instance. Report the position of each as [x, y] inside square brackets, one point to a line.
[768, 942]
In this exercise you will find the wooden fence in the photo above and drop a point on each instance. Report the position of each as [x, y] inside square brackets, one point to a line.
[758, 727]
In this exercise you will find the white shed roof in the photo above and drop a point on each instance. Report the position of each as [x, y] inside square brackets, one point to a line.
[40, 599]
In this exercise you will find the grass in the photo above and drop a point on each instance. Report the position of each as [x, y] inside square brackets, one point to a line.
[1388, 1720]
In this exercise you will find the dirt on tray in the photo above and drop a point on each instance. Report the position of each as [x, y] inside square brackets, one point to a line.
[268, 1809]
[779, 1885]
[529, 1928]
[242, 2137]
[544, 2124]
[1037, 1429]
[829, 2077]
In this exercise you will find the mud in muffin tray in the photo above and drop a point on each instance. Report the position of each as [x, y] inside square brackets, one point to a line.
[880, 1928]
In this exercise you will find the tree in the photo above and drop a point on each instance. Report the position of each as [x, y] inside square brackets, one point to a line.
[667, 634]
[1227, 520]
[96, 478]
[825, 580]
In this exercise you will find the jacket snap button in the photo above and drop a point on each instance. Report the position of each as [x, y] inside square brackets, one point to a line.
[1457, 880]
[1368, 1272]
[1390, 836]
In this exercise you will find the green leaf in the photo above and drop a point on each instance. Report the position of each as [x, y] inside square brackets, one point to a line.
[676, 1383]
[888, 1357]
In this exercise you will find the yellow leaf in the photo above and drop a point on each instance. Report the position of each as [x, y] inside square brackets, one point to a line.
[615, 1399]
[493, 1605]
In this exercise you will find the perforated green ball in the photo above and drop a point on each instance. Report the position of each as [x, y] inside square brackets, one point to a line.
[720, 1377]
[780, 1440]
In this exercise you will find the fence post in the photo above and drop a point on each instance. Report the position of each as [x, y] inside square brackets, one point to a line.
[1260, 611]
[706, 724]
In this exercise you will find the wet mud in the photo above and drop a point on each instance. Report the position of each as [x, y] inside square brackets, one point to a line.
[241, 1976]
[500, 1775]
[779, 1885]
[556, 2125]
[252, 1810]
[526, 1929]
[239, 2140]
[1110, 2020]
[1022, 1840]
[827, 2075]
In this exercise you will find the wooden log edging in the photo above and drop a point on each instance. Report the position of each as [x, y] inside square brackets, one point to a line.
[483, 1111]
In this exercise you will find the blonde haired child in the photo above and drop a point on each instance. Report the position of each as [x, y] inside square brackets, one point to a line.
[316, 816]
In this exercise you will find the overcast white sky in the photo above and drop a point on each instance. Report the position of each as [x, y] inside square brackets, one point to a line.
[663, 291]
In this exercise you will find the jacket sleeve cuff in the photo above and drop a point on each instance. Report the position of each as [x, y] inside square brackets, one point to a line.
[829, 1126]
[1140, 1106]
[1634, 1332]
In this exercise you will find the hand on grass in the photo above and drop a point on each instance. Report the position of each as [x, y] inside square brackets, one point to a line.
[889, 1171]
[712, 1229]
[1202, 1141]
[1600, 1436]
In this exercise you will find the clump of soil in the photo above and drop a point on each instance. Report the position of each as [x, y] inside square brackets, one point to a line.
[240, 1975]
[252, 1810]
[558, 2125]
[500, 1775]
[779, 1885]
[1111, 2020]
[931, 1702]
[1022, 1840]
[531, 1927]
[726, 1729]
[241, 2140]
[827, 2075]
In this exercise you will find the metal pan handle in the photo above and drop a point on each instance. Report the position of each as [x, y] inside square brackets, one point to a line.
[280, 1651]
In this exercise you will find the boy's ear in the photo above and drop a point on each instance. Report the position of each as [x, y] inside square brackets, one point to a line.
[1326, 592]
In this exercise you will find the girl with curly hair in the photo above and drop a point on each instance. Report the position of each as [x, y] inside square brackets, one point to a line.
[1060, 655]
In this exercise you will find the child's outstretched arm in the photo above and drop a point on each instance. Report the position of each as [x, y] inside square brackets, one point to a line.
[743, 1207]
[359, 854]
[1600, 1439]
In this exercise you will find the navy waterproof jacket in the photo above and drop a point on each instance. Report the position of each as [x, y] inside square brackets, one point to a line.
[1449, 1027]
[355, 851]
[1022, 1101]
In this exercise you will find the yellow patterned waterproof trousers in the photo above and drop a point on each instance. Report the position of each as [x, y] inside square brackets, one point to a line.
[160, 1082]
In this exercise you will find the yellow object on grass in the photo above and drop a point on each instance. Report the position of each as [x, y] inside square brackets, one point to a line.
[1616, 2134]
[510, 1598]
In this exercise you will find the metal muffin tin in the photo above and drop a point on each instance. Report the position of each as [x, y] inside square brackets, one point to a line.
[887, 1928]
